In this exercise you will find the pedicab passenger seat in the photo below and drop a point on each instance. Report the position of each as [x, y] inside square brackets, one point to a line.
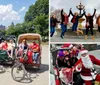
[4, 56]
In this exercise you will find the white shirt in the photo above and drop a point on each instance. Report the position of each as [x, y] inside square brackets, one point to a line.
[11, 46]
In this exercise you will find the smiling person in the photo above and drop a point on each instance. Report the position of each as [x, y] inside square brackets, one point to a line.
[85, 65]
[89, 24]
[64, 22]
[36, 50]
[53, 23]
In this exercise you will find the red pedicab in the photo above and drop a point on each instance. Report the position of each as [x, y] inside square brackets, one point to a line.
[18, 71]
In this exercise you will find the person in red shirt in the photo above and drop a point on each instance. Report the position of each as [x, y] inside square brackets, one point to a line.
[64, 22]
[4, 45]
[36, 49]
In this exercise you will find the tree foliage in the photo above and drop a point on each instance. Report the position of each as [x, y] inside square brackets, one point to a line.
[41, 25]
[40, 7]
[35, 20]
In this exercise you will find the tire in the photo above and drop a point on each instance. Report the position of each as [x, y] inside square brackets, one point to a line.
[39, 67]
[18, 68]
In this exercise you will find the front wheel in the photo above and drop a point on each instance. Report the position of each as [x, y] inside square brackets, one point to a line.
[18, 72]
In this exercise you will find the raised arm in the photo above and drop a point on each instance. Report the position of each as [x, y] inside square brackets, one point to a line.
[85, 15]
[96, 16]
[71, 12]
[82, 14]
[62, 12]
[94, 12]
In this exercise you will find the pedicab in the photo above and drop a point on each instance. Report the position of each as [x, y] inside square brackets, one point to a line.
[18, 71]
[58, 70]
[4, 57]
[63, 75]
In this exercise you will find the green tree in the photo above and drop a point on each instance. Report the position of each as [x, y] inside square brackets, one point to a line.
[40, 7]
[10, 30]
[41, 25]
[35, 20]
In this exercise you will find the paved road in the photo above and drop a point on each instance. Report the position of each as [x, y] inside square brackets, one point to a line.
[73, 39]
[41, 79]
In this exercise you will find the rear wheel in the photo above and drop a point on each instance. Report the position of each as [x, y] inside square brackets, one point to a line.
[39, 67]
[18, 72]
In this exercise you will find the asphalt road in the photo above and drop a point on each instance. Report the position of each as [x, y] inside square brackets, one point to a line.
[42, 77]
[56, 38]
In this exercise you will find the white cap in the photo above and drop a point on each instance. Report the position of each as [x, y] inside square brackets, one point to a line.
[83, 51]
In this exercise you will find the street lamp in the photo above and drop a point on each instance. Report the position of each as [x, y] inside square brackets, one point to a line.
[80, 7]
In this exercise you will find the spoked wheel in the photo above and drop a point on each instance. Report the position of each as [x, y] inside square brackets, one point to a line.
[18, 72]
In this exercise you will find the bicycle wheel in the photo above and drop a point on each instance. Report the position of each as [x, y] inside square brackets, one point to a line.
[39, 67]
[18, 72]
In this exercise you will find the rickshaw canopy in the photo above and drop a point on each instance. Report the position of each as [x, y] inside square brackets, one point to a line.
[29, 36]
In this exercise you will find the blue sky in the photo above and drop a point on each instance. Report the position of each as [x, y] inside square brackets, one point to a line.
[13, 10]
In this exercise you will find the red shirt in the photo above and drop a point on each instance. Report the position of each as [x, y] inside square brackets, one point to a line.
[5, 46]
[36, 46]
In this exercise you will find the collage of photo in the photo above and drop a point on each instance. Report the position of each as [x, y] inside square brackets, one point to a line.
[74, 42]
[49, 42]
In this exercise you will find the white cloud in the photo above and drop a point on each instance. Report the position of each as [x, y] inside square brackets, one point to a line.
[22, 9]
[8, 14]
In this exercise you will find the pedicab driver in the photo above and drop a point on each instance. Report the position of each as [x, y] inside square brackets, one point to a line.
[85, 66]
[36, 49]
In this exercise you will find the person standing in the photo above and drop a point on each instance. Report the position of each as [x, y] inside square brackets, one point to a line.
[64, 22]
[89, 24]
[53, 23]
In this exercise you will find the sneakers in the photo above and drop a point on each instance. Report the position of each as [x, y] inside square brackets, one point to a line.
[61, 36]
